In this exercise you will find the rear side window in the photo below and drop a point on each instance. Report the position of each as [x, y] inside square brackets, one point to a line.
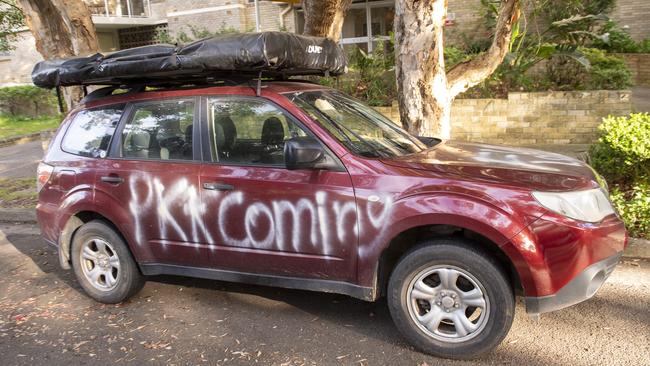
[160, 130]
[91, 130]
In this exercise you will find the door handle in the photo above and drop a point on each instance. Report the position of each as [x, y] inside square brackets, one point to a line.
[112, 179]
[215, 186]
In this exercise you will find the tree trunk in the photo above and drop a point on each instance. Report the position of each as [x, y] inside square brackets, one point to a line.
[420, 67]
[324, 18]
[425, 91]
[61, 28]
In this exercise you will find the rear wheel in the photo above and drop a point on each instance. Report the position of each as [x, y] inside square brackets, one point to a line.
[103, 264]
[450, 300]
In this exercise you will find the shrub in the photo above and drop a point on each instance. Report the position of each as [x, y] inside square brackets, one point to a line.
[622, 153]
[619, 41]
[600, 71]
[27, 100]
[634, 206]
[622, 156]
[606, 71]
[455, 55]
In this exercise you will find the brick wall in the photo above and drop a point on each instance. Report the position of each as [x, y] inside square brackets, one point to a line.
[270, 16]
[215, 14]
[634, 14]
[468, 23]
[469, 20]
[533, 118]
[639, 65]
[202, 14]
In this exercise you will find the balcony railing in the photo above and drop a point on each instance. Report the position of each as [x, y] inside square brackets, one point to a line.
[120, 8]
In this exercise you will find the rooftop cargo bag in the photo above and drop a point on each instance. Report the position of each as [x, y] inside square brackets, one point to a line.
[272, 53]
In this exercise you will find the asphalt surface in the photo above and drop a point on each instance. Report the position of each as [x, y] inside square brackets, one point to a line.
[45, 319]
[20, 160]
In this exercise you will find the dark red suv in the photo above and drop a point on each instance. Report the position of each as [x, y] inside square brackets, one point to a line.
[304, 187]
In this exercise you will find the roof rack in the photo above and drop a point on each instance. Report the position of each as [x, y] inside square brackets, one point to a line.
[186, 83]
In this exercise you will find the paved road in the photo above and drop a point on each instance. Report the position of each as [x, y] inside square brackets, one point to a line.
[45, 319]
[20, 161]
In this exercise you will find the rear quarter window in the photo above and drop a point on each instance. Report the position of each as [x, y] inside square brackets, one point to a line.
[91, 130]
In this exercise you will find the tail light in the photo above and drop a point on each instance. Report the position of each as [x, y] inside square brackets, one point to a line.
[43, 174]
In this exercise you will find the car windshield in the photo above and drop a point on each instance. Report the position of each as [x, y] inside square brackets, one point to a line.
[360, 128]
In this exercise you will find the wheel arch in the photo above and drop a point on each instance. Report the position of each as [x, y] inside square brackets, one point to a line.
[73, 223]
[413, 236]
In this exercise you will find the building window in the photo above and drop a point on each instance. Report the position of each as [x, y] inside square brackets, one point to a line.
[365, 25]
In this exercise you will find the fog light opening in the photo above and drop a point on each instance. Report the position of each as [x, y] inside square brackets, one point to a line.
[595, 283]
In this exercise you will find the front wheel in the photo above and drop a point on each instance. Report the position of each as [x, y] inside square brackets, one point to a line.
[450, 299]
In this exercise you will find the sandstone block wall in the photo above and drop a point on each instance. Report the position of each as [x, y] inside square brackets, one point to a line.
[533, 118]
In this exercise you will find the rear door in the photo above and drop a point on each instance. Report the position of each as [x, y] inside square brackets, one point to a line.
[262, 217]
[153, 174]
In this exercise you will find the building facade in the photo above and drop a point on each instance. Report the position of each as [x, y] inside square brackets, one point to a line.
[124, 24]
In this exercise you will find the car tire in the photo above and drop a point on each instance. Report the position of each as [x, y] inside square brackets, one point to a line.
[103, 263]
[426, 303]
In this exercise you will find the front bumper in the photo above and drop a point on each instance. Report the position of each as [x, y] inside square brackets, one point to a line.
[582, 287]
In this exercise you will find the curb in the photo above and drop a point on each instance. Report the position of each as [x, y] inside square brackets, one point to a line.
[18, 215]
[637, 248]
[16, 140]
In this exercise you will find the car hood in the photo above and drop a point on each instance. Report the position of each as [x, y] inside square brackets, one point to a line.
[534, 169]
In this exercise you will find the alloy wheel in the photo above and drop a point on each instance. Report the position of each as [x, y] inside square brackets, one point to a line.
[448, 303]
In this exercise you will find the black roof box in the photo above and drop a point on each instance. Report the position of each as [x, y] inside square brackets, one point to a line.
[275, 54]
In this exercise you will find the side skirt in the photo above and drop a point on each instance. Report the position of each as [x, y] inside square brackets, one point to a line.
[310, 284]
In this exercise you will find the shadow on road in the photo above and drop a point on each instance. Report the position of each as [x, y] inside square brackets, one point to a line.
[344, 322]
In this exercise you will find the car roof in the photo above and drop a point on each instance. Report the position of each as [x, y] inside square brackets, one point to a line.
[278, 87]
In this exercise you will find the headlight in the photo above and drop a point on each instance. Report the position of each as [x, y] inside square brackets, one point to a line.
[591, 205]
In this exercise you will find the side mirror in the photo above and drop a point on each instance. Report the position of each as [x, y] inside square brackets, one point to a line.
[306, 153]
[428, 141]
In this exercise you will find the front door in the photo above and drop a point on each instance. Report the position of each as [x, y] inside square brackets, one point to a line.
[262, 217]
[152, 172]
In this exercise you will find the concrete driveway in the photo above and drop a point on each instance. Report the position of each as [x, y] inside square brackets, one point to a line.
[45, 319]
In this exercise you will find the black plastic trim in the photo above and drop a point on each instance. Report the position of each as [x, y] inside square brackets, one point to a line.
[311, 284]
[582, 287]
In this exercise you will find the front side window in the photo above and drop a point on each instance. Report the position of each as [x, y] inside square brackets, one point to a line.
[249, 131]
[160, 130]
[358, 127]
[90, 131]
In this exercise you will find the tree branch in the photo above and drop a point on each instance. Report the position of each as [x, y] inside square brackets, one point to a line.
[469, 73]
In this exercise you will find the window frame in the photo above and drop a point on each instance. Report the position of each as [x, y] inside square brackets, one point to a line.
[129, 112]
[209, 144]
[111, 139]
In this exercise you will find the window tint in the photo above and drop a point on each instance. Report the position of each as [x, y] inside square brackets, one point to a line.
[250, 131]
[90, 132]
[160, 130]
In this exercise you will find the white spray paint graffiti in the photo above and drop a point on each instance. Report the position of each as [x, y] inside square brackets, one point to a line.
[305, 225]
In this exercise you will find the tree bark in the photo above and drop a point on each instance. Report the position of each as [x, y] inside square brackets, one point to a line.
[61, 28]
[425, 91]
[420, 66]
[324, 18]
